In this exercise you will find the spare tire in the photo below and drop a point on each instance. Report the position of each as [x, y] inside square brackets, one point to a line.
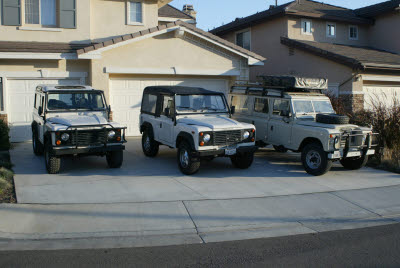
[335, 119]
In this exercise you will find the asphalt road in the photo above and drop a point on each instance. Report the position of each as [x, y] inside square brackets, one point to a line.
[375, 246]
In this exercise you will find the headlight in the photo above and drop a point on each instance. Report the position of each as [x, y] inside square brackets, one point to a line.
[246, 135]
[65, 137]
[111, 134]
[207, 138]
[337, 143]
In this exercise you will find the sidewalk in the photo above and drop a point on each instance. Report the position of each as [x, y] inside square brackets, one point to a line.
[199, 221]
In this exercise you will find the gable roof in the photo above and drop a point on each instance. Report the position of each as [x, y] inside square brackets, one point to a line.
[172, 12]
[40, 47]
[378, 9]
[172, 26]
[302, 8]
[356, 57]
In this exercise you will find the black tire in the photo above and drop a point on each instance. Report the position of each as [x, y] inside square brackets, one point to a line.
[115, 159]
[280, 149]
[335, 119]
[38, 147]
[242, 161]
[187, 164]
[150, 146]
[354, 163]
[315, 159]
[53, 163]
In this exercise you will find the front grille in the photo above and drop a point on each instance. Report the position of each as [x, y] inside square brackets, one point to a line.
[88, 137]
[226, 138]
[343, 142]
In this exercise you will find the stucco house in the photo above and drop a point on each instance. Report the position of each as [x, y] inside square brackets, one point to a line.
[116, 46]
[357, 50]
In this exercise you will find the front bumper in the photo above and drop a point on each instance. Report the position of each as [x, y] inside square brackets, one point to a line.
[341, 154]
[91, 149]
[221, 152]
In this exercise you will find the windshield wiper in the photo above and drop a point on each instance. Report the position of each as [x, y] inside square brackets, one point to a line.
[209, 108]
[189, 108]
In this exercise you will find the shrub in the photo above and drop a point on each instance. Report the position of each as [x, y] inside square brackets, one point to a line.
[4, 136]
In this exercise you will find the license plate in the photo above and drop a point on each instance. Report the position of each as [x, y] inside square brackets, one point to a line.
[353, 154]
[230, 151]
[370, 152]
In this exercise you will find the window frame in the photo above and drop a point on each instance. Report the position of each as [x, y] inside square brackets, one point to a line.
[55, 25]
[273, 104]
[128, 13]
[328, 24]
[357, 29]
[157, 104]
[242, 32]
[303, 21]
[254, 106]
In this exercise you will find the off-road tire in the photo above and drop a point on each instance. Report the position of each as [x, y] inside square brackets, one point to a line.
[151, 149]
[334, 119]
[115, 159]
[280, 149]
[37, 146]
[192, 165]
[314, 151]
[354, 163]
[242, 161]
[53, 163]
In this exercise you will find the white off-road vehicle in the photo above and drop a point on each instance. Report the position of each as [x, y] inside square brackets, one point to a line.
[74, 120]
[292, 113]
[197, 122]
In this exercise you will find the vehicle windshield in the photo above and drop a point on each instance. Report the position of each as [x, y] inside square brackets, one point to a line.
[200, 104]
[75, 101]
[310, 107]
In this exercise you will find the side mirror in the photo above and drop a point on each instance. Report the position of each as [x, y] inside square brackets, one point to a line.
[40, 110]
[167, 112]
[233, 109]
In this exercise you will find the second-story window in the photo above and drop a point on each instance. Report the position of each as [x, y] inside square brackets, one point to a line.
[41, 12]
[353, 32]
[243, 39]
[135, 12]
[306, 27]
[331, 30]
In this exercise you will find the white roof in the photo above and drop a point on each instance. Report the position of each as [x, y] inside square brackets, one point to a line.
[63, 87]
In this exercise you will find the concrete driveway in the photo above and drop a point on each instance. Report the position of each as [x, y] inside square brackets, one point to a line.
[141, 179]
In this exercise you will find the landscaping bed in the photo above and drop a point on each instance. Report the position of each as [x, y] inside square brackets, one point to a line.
[7, 187]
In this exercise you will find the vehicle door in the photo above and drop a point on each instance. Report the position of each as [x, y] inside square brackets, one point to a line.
[261, 118]
[38, 115]
[167, 121]
[280, 123]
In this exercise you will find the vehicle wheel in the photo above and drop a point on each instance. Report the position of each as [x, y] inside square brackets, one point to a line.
[242, 161]
[36, 144]
[280, 149]
[354, 163]
[315, 160]
[53, 163]
[149, 145]
[115, 159]
[336, 119]
[186, 163]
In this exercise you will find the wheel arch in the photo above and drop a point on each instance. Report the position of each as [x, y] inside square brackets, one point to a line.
[145, 126]
[309, 140]
[183, 136]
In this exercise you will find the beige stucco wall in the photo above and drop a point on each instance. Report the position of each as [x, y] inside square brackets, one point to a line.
[385, 34]
[109, 18]
[18, 65]
[319, 32]
[163, 52]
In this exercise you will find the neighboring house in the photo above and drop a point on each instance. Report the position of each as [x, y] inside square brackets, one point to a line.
[116, 46]
[357, 50]
[168, 14]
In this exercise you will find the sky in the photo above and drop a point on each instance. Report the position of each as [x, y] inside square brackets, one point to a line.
[214, 13]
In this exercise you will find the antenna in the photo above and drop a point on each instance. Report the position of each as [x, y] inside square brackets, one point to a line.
[276, 2]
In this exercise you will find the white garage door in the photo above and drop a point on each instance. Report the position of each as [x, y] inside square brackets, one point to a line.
[20, 96]
[126, 96]
[380, 94]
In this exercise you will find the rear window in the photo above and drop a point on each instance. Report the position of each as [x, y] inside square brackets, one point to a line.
[149, 103]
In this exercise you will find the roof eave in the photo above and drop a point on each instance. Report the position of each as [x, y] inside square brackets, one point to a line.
[332, 18]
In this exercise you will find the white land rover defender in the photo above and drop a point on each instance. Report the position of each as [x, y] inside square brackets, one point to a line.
[74, 120]
[197, 122]
[292, 113]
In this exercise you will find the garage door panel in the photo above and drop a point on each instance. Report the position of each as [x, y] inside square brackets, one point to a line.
[20, 101]
[376, 94]
[126, 96]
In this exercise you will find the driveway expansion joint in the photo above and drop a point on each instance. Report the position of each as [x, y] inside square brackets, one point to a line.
[194, 224]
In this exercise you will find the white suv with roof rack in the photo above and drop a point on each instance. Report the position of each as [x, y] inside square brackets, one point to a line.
[292, 113]
[74, 120]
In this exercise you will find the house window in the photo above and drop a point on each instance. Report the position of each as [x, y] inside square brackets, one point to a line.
[41, 12]
[135, 12]
[243, 40]
[306, 27]
[353, 32]
[331, 30]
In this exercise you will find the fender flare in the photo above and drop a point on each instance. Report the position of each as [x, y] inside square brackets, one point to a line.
[186, 137]
[147, 125]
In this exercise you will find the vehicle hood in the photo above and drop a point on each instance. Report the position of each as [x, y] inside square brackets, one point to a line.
[79, 120]
[327, 126]
[214, 122]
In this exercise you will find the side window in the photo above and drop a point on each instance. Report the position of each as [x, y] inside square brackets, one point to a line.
[241, 103]
[281, 107]
[149, 103]
[261, 105]
[168, 102]
[37, 100]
